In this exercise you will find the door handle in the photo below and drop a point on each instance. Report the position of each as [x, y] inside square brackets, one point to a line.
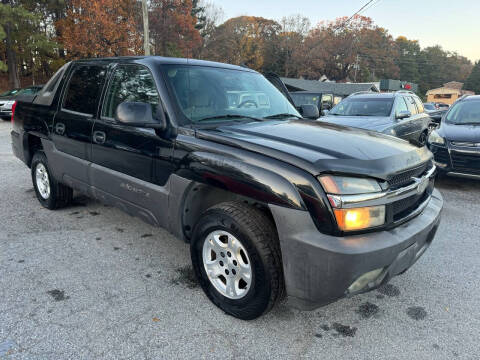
[99, 137]
[60, 128]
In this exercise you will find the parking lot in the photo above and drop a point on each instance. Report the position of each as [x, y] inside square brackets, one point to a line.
[90, 282]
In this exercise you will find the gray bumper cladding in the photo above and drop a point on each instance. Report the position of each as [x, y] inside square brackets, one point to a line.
[320, 268]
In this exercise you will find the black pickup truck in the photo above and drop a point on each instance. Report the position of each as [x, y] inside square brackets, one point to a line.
[272, 204]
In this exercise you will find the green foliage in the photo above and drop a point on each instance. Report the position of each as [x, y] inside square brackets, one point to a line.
[28, 41]
[473, 81]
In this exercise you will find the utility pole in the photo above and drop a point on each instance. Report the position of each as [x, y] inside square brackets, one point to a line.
[146, 31]
[357, 65]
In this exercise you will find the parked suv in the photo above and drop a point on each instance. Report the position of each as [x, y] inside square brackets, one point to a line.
[399, 114]
[456, 142]
[271, 204]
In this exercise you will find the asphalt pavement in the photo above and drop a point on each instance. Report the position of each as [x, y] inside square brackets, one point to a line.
[90, 282]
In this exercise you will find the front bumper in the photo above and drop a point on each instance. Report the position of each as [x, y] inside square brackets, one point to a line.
[5, 114]
[319, 268]
[457, 161]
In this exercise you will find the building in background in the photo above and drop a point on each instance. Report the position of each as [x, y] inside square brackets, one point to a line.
[448, 94]
[389, 85]
[322, 87]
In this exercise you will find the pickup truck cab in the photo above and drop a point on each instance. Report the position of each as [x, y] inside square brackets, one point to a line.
[272, 205]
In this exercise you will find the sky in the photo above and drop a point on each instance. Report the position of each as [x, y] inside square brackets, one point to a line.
[453, 24]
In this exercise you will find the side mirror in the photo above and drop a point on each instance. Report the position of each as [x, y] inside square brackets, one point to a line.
[309, 111]
[325, 112]
[140, 114]
[403, 114]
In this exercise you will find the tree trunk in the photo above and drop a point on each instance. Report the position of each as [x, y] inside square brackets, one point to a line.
[13, 80]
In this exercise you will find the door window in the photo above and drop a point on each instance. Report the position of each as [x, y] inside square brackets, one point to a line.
[411, 105]
[130, 83]
[419, 105]
[84, 89]
[400, 106]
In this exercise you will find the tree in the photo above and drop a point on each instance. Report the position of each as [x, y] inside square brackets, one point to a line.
[290, 44]
[353, 50]
[100, 28]
[24, 42]
[473, 81]
[213, 16]
[3, 66]
[243, 40]
[173, 27]
[407, 60]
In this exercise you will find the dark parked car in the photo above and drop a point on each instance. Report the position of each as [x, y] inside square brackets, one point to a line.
[456, 143]
[399, 114]
[270, 203]
[7, 101]
[321, 101]
[435, 113]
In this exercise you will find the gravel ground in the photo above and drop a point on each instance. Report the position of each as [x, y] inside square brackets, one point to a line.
[91, 282]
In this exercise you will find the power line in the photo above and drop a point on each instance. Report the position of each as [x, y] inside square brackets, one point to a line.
[371, 6]
[364, 7]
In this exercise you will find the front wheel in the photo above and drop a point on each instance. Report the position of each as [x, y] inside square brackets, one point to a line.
[422, 140]
[236, 257]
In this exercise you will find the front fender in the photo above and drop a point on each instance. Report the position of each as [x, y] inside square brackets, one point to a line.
[241, 178]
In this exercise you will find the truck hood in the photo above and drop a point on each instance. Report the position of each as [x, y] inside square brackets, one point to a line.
[464, 133]
[363, 122]
[320, 147]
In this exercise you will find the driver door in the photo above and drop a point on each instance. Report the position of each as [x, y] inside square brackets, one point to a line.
[126, 159]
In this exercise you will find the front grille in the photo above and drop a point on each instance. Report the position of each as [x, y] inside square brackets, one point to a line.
[405, 178]
[441, 156]
[465, 161]
[403, 208]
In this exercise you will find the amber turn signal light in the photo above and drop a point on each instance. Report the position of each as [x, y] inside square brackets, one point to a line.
[360, 218]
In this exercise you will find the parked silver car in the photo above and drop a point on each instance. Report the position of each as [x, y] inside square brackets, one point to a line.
[399, 114]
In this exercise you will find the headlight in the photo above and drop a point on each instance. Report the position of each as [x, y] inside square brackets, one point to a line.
[353, 219]
[360, 218]
[434, 138]
[340, 185]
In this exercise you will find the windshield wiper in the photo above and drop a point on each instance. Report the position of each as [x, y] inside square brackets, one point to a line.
[228, 116]
[280, 116]
[467, 123]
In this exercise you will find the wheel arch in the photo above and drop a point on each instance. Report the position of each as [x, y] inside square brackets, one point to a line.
[199, 197]
[33, 143]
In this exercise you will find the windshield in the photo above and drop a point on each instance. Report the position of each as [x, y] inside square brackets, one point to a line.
[464, 113]
[213, 94]
[429, 106]
[304, 99]
[358, 106]
[9, 93]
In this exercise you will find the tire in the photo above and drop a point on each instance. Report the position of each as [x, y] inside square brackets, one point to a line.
[255, 234]
[422, 140]
[58, 195]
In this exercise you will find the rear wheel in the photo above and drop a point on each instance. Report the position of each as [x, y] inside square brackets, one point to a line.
[50, 193]
[236, 258]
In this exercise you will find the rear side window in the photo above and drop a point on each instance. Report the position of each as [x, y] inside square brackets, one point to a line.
[419, 105]
[132, 83]
[83, 89]
[400, 106]
[46, 95]
[411, 105]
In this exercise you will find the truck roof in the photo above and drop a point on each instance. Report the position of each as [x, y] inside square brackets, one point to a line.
[153, 60]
